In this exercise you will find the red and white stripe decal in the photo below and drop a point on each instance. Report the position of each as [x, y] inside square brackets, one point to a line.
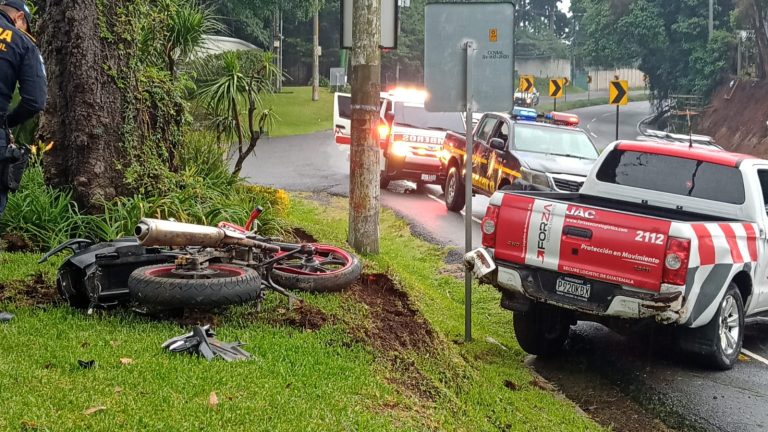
[343, 139]
[733, 244]
[706, 245]
[751, 241]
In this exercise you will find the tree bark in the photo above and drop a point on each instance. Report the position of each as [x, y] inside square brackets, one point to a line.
[364, 149]
[316, 55]
[761, 37]
[83, 116]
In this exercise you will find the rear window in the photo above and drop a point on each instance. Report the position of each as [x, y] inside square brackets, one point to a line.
[673, 175]
[345, 106]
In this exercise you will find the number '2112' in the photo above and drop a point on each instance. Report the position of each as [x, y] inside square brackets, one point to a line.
[649, 237]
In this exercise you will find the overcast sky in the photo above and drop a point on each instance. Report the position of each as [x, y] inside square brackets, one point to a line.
[564, 5]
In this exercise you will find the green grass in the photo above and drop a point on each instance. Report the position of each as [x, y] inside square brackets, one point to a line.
[301, 380]
[298, 113]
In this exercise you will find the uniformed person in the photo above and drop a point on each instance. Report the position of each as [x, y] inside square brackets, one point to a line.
[20, 63]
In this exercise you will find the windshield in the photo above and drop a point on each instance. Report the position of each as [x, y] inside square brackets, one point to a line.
[416, 116]
[673, 175]
[555, 141]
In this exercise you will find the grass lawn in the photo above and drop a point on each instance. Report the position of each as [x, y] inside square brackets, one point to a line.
[298, 114]
[325, 379]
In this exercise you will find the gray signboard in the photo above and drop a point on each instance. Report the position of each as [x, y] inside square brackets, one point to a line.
[489, 28]
[338, 77]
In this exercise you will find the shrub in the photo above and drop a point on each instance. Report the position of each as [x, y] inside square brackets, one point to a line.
[202, 192]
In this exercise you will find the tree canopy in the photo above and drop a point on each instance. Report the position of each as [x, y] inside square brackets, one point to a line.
[666, 40]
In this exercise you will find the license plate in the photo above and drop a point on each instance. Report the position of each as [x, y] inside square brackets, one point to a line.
[483, 263]
[573, 288]
[428, 177]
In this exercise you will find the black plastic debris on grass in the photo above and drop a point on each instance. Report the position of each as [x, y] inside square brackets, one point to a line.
[201, 341]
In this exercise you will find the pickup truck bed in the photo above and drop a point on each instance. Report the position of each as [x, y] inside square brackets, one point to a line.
[626, 207]
[658, 231]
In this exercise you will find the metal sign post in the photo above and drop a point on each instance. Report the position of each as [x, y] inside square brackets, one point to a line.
[470, 48]
[478, 39]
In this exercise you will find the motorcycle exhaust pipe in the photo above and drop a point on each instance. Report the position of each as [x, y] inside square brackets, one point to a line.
[157, 232]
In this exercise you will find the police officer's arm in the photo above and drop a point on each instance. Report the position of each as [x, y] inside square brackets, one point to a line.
[33, 88]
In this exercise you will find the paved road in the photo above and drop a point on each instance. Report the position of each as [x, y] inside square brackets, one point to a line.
[642, 365]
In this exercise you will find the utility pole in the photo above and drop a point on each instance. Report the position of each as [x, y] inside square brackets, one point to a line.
[711, 18]
[364, 160]
[316, 54]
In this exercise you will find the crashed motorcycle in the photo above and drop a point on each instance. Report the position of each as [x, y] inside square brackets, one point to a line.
[172, 265]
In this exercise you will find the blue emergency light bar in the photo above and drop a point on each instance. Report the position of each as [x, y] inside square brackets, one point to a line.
[521, 113]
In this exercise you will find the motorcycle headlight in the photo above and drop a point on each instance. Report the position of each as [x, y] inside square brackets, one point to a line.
[535, 177]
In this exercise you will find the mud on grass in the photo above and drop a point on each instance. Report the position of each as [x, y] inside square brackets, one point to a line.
[36, 291]
[395, 325]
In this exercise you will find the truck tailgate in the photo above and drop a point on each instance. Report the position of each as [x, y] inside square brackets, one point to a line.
[584, 241]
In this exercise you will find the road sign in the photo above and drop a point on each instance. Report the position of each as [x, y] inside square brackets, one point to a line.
[618, 92]
[589, 79]
[338, 77]
[526, 83]
[467, 46]
[448, 27]
[556, 88]
[565, 80]
[389, 24]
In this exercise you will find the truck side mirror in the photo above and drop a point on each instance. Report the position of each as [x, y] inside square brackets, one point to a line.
[497, 144]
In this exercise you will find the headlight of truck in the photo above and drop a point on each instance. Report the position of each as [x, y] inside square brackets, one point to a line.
[535, 177]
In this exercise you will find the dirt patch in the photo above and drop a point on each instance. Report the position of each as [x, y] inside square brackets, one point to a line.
[303, 317]
[736, 117]
[34, 292]
[302, 236]
[395, 326]
[14, 243]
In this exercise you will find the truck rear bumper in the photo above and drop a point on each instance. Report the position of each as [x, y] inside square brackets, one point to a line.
[416, 168]
[605, 299]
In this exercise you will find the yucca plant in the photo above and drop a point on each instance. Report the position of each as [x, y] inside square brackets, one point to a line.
[188, 22]
[236, 93]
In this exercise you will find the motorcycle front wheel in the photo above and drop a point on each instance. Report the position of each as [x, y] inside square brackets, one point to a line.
[327, 269]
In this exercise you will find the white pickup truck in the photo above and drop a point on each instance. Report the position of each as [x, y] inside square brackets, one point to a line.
[661, 231]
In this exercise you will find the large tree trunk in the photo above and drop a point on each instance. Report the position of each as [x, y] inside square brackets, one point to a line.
[83, 117]
[364, 152]
[761, 36]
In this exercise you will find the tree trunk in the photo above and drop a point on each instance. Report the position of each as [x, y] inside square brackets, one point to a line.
[364, 150]
[83, 117]
[316, 56]
[761, 37]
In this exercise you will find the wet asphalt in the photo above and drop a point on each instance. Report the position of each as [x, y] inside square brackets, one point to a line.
[643, 364]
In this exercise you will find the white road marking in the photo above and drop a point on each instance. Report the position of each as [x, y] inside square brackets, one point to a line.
[755, 356]
[462, 212]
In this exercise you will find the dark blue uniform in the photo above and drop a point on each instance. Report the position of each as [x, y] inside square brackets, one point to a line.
[20, 62]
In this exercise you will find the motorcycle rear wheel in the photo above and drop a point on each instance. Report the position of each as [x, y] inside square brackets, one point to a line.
[158, 286]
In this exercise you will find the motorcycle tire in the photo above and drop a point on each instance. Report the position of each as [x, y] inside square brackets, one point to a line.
[157, 286]
[336, 270]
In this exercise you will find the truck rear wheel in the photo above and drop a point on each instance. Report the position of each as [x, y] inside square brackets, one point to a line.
[542, 330]
[454, 190]
[719, 342]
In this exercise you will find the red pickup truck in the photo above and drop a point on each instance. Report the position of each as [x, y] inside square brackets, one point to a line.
[660, 231]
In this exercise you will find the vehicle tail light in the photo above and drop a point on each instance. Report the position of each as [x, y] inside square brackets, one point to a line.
[676, 261]
[488, 226]
[383, 130]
